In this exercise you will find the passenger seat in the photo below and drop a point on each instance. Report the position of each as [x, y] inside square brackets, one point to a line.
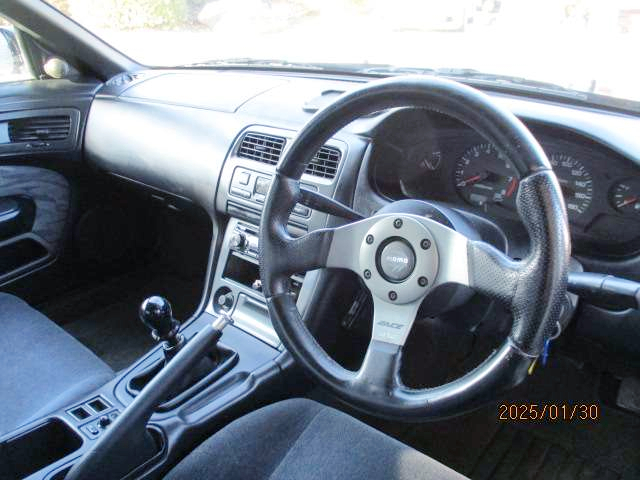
[42, 367]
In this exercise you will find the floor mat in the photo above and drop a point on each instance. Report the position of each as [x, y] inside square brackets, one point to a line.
[105, 317]
[515, 453]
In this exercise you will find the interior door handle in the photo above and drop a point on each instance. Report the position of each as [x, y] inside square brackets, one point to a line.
[9, 210]
[16, 216]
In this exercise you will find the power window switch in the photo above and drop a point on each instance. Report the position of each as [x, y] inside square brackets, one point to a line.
[91, 430]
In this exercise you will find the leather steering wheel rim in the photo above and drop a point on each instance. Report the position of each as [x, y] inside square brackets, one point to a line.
[532, 289]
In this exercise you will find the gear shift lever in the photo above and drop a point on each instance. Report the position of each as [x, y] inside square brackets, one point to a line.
[155, 313]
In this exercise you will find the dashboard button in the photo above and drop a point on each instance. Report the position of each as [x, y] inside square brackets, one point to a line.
[243, 177]
[104, 421]
[239, 192]
[262, 185]
[301, 210]
[92, 430]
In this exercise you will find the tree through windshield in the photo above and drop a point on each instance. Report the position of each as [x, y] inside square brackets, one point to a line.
[584, 45]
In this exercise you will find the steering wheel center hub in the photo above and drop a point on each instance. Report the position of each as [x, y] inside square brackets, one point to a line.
[400, 256]
[396, 259]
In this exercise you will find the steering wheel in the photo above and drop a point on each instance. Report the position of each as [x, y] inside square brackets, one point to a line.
[401, 258]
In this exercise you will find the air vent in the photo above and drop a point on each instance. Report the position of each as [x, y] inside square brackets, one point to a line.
[261, 148]
[40, 129]
[324, 163]
[268, 149]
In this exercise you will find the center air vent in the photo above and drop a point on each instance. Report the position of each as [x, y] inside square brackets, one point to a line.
[268, 149]
[261, 148]
[325, 163]
[40, 129]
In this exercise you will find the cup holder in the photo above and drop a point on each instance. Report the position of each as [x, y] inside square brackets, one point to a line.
[37, 448]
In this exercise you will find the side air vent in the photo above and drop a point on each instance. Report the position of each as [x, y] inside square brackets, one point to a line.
[324, 163]
[261, 148]
[40, 129]
[268, 149]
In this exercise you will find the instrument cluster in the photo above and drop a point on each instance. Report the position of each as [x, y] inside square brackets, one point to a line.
[448, 162]
[483, 176]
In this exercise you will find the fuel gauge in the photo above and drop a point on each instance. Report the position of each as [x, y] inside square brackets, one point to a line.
[625, 196]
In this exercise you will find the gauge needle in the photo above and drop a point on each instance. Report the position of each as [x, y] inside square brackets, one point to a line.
[512, 187]
[628, 201]
[471, 180]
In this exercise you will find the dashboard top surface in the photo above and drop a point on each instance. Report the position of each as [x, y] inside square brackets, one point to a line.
[280, 100]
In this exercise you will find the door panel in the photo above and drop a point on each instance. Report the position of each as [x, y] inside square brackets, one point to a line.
[40, 210]
[41, 129]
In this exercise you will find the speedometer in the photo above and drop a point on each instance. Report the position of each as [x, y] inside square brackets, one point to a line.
[575, 181]
[483, 176]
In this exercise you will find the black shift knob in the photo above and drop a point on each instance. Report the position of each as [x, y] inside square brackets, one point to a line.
[155, 313]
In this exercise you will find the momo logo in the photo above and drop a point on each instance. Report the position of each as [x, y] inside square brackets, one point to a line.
[396, 259]
[395, 326]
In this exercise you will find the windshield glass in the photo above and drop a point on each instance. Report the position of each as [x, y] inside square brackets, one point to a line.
[583, 45]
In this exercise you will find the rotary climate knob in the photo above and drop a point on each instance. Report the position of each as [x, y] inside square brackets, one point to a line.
[238, 241]
[225, 301]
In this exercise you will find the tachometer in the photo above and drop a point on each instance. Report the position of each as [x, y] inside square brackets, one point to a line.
[483, 176]
[575, 181]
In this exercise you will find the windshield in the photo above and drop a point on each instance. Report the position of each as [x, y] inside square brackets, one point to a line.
[588, 46]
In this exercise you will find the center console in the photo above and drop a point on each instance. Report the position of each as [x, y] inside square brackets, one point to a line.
[237, 288]
[244, 184]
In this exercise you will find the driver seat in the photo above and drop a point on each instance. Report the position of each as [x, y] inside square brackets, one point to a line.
[304, 440]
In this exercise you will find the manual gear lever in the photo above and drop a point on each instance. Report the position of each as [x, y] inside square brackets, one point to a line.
[156, 313]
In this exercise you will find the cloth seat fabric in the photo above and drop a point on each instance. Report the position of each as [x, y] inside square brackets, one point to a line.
[42, 367]
[304, 440]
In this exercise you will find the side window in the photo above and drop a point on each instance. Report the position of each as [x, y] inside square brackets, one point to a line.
[13, 66]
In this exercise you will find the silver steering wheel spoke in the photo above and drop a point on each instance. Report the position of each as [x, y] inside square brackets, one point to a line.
[392, 323]
[405, 253]
[400, 258]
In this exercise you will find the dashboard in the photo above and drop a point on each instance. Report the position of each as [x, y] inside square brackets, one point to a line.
[180, 135]
[171, 131]
[425, 155]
